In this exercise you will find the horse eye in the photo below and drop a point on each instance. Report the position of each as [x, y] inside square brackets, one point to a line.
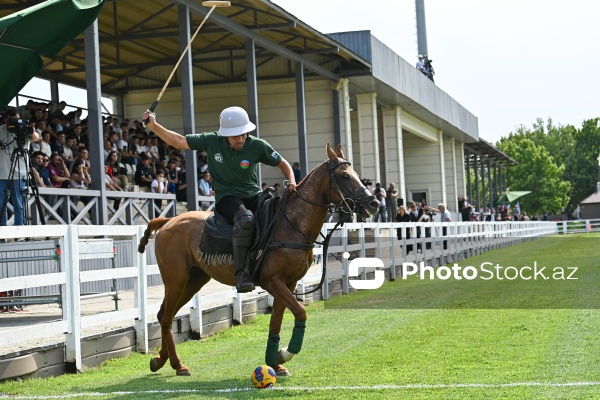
[346, 176]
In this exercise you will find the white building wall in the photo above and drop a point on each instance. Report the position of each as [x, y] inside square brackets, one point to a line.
[422, 167]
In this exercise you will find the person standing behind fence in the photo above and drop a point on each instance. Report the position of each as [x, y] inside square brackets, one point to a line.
[381, 197]
[392, 202]
[445, 217]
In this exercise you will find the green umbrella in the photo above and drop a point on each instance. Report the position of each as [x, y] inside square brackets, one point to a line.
[510, 196]
[43, 29]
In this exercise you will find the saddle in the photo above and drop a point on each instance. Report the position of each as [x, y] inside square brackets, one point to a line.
[216, 246]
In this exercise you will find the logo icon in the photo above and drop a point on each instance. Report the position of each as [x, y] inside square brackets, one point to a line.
[244, 164]
[275, 155]
[219, 158]
[360, 262]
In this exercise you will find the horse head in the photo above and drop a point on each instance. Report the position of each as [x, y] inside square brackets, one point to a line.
[346, 189]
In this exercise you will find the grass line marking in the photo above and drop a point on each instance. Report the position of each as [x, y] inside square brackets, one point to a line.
[299, 388]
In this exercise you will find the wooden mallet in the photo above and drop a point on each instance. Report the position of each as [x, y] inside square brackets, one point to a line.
[213, 5]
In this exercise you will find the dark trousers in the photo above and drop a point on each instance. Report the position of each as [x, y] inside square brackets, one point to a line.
[229, 205]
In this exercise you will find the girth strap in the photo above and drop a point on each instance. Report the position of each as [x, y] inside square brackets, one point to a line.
[299, 246]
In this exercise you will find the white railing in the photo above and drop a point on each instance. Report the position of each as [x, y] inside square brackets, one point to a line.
[579, 226]
[359, 239]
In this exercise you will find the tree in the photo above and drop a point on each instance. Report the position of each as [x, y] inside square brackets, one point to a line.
[537, 172]
[585, 162]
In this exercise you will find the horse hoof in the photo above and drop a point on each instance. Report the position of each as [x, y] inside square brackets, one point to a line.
[183, 372]
[154, 366]
[284, 356]
[280, 370]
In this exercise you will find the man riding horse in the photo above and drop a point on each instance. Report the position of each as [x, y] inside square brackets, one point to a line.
[233, 156]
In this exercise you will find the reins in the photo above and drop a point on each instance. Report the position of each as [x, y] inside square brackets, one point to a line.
[345, 209]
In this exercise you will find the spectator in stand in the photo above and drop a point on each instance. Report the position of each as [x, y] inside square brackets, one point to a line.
[153, 148]
[162, 163]
[108, 148]
[115, 171]
[59, 143]
[264, 186]
[202, 165]
[111, 185]
[181, 192]
[127, 157]
[143, 172]
[171, 175]
[205, 188]
[39, 169]
[45, 145]
[70, 150]
[60, 110]
[134, 148]
[159, 185]
[142, 147]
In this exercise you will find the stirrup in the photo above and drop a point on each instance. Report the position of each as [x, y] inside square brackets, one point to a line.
[244, 284]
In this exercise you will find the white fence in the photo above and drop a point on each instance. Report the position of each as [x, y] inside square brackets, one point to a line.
[359, 239]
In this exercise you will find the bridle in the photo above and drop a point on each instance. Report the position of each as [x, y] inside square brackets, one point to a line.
[350, 202]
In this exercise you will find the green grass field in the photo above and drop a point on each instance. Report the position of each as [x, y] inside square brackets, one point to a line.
[380, 353]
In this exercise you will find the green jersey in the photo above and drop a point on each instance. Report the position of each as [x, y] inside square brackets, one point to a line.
[234, 172]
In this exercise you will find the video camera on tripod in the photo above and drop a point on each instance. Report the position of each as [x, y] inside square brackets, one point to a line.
[21, 129]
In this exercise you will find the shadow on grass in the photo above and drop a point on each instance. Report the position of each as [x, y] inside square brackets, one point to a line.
[157, 386]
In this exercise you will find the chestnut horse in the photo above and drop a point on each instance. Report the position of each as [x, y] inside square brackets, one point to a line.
[184, 271]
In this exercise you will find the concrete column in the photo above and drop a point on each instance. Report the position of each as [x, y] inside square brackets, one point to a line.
[347, 125]
[455, 201]
[301, 117]
[94, 99]
[462, 172]
[469, 192]
[442, 167]
[392, 128]
[368, 136]
[476, 170]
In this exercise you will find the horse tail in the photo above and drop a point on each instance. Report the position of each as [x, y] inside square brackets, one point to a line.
[153, 225]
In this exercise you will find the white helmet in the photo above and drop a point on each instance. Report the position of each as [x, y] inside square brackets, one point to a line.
[235, 122]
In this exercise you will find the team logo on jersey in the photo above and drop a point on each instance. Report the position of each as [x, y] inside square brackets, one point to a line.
[218, 158]
[244, 164]
[275, 155]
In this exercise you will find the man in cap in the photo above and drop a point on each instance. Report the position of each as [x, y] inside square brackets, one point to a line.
[233, 156]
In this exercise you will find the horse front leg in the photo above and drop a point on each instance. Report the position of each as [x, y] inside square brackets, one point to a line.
[283, 298]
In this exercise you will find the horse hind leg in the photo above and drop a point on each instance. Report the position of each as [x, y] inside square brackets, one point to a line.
[168, 351]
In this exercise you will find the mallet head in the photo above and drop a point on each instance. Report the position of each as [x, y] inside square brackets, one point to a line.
[216, 3]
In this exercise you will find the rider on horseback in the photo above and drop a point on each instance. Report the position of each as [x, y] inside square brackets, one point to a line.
[233, 158]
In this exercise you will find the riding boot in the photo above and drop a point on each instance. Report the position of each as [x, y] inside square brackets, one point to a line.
[243, 229]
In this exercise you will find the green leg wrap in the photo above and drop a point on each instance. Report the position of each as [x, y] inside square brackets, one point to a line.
[272, 349]
[297, 337]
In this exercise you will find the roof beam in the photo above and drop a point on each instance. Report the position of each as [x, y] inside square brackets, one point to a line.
[260, 40]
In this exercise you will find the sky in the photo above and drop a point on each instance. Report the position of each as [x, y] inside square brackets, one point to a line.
[508, 62]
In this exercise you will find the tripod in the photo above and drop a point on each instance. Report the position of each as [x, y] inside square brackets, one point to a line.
[18, 154]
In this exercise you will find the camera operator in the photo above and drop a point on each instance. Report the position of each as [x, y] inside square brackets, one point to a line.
[428, 68]
[17, 138]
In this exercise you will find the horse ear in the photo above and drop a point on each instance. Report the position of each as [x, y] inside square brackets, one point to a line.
[339, 152]
[332, 156]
